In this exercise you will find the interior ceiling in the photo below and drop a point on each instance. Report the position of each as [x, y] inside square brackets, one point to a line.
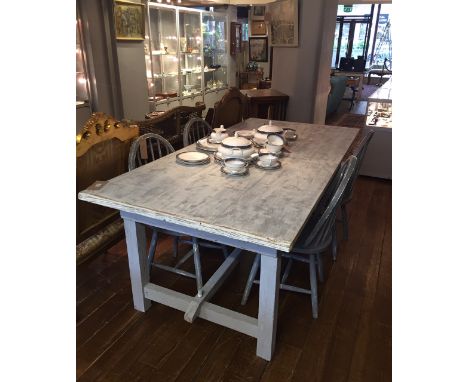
[210, 3]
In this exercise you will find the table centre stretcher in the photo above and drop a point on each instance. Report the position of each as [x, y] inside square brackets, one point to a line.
[263, 212]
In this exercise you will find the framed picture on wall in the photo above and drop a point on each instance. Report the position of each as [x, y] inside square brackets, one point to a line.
[129, 21]
[258, 49]
[258, 28]
[284, 17]
[258, 12]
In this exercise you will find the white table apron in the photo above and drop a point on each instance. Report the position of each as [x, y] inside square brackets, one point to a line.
[300, 183]
[263, 328]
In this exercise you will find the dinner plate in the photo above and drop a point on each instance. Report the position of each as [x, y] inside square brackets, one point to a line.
[203, 144]
[184, 163]
[193, 157]
[244, 171]
[276, 166]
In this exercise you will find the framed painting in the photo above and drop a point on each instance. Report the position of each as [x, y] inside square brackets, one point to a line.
[129, 21]
[258, 28]
[258, 12]
[258, 49]
[284, 18]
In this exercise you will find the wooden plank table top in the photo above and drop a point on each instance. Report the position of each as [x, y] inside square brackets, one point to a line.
[268, 208]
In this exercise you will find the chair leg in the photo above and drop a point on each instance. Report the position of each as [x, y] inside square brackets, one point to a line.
[152, 248]
[320, 268]
[344, 218]
[175, 247]
[334, 242]
[313, 286]
[250, 280]
[197, 263]
[286, 271]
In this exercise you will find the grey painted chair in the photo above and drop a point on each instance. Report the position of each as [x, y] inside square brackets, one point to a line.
[145, 149]
[359, 151]
[317, 236]
[195, 129]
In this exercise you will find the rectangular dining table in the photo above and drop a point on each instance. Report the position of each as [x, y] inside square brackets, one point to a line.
[263, 212]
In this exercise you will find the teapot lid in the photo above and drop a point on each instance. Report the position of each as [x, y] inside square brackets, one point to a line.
[236, 141]
[270, 128]
[220, 129]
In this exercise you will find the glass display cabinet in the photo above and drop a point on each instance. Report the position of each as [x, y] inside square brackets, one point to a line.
[215, 51]
[82, 85]
[186, 55]
[190, 53]
[379, 107]
[161, 50]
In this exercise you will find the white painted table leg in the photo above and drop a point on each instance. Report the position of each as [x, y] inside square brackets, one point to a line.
[268, 305]
[138, 263]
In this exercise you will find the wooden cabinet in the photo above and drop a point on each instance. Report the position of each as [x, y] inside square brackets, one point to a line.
[236, 38]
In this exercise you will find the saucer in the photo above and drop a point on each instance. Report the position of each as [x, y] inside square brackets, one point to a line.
[264, 150]
[244, 171]
[249, 134]
[219, 158]
[213, 141]
[276, 166]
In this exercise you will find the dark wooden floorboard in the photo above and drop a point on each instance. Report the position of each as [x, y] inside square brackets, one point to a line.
[350, 341]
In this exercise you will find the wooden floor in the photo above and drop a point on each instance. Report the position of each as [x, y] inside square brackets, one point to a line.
[350, 341]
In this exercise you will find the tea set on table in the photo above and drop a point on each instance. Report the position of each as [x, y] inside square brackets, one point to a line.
[261, 147]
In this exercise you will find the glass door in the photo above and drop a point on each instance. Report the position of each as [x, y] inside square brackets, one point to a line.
[215, 55]
[162, 55]
[190, 48]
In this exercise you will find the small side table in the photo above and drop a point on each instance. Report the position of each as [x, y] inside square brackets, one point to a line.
[267, 103]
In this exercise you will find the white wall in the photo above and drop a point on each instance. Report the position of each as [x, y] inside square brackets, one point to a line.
[132, 75]
[303, 72]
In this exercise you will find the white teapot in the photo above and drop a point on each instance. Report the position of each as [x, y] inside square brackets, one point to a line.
[219, 134]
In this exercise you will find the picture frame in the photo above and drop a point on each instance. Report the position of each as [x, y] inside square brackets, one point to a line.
[129, 21]
[284, 23]
[258, 12]
[258, 28]
[258, 49]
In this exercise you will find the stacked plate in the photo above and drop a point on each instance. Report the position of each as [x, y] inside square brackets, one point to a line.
[204, 145]
[192, 158]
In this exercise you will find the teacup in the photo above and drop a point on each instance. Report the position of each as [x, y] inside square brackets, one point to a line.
[276, 149]
[235, 164]
[267, 159]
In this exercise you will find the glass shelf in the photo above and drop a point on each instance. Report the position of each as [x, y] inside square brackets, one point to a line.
[215, 51]
[185, 52]
[162, 62]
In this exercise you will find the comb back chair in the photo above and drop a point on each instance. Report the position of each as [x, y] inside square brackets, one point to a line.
[196, 128]
[317, 236]
[145, 149]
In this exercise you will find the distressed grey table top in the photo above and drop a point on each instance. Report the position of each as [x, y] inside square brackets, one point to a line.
[268, 208]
